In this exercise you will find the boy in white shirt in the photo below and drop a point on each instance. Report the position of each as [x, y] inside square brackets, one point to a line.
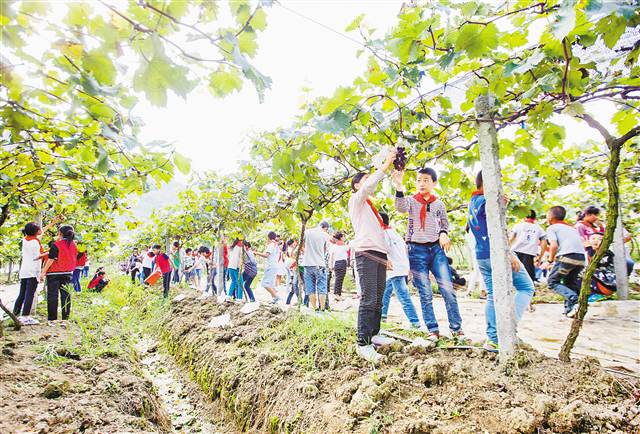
[398, 274]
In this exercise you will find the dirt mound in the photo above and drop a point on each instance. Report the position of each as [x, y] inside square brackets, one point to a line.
[48, 387]
[272, 371]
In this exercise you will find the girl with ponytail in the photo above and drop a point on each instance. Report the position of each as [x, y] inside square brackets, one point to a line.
[58, 270]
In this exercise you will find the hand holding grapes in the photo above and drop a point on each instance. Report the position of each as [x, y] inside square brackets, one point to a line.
[396, 177]
[391, 156]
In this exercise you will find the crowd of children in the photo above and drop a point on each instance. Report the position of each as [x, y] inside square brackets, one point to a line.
[382, 261]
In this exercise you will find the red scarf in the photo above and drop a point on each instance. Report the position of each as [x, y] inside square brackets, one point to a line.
[530, 220]
[377, 214]
[596, 229]
[33, 237]
[423, 210]
[562, 222]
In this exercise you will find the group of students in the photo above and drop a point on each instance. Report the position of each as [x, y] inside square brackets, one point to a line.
[382, 267]
[564, 250]
[60, 267]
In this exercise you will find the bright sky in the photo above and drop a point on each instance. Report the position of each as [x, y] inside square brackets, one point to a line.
[296, 54]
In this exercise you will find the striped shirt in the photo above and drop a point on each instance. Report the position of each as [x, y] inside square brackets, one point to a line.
[436, 221]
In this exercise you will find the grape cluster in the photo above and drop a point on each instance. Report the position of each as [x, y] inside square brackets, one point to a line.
[401, 159]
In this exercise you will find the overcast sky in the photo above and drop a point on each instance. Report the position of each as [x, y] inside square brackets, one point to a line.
[296, 54]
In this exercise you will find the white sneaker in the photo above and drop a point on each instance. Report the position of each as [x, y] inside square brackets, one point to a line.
[381, 340]
[27, 320]
[369, 353]
[572, 312]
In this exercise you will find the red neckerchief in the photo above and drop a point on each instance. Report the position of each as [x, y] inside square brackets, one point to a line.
[423, 211]
[33, 237]
[477, 193]
[530, 220]
[562, 222]
[377, 214]
[597, 229]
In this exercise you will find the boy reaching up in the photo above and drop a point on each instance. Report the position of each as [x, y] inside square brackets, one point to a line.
[427, 240]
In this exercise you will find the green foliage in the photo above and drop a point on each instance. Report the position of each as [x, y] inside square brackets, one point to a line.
[68, 91]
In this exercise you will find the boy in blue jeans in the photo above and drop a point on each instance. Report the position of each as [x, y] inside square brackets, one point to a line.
[427, 239]
[477, 224]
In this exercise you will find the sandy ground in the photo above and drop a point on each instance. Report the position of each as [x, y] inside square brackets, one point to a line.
[611, 330]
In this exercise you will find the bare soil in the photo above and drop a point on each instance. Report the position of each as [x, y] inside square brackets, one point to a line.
[44, 388]
[275, 371]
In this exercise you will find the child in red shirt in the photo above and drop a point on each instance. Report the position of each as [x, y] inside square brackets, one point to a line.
[162, 263]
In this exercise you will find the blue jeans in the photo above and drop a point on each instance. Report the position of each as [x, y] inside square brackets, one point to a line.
[431, 258]
[524, 293]
[315, 280]
[247, 286]
[235, 289]
[75, 279]
[399, 284]
[212, 282]
[565, 278]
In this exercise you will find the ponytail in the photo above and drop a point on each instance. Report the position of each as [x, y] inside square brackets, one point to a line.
[67, 233]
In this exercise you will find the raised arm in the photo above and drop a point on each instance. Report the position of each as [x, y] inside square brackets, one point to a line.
[401, 202]
[370, 184]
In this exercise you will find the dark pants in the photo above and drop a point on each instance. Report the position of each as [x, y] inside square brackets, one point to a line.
[146, 272]
[247, 286]
[527, 261]
[326, 300]
[372, 272]
[24, 301]
[564, 278]
[340, 270]
[134, 272]
[58, 283]
[75, 279]
[166, 282]
[175, 275]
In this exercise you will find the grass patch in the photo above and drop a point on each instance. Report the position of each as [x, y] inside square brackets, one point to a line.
[314, 342]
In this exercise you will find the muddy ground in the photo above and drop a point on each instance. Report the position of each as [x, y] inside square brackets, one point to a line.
[47, 389]
[275, 371]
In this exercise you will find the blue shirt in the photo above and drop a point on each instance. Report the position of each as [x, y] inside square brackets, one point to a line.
[477, 221]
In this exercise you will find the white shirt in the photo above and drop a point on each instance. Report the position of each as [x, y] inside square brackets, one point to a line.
[31, 265]
[369, 235]
[397, 254]
[147, 261]
[273, 250]
[315, 248]
[528, 236]
[234, 257]
[339, 252]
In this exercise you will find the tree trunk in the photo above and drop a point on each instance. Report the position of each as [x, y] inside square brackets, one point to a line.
[620, 259]
[503, 294]
[10, 271]
[16, 322]
[612, 220]
[303, 227]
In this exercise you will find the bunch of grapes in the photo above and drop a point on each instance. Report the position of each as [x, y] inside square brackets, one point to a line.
[401, 159]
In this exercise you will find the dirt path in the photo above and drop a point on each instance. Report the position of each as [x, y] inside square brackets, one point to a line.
[45, 388]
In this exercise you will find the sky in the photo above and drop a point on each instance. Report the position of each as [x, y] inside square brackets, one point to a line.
[296, 54]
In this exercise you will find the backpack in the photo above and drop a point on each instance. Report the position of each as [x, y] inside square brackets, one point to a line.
[250, 266]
